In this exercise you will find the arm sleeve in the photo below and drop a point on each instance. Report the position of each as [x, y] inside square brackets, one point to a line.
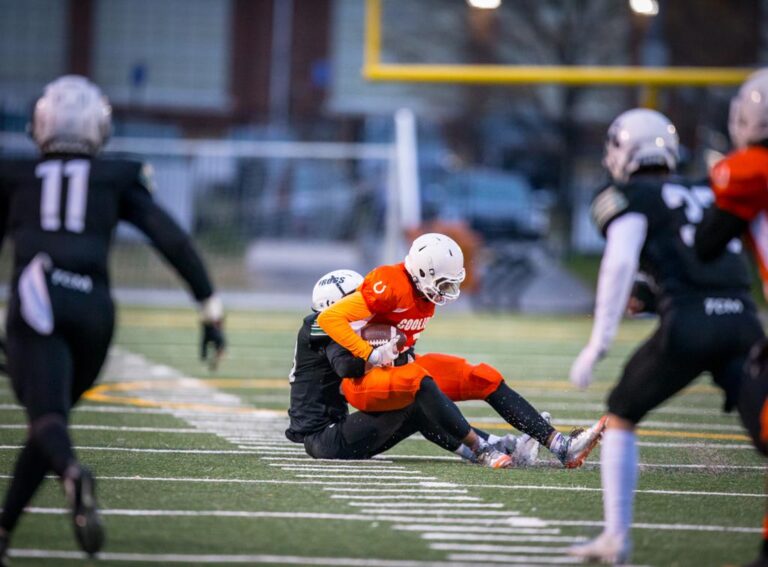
[625, 239]
[138, 208]
[344, 363]
[715, 231]
[335, 321]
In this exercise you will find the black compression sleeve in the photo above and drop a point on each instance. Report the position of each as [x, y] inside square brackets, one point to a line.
[715, 231]
[344, 363]
[168, 238]
[516, 411]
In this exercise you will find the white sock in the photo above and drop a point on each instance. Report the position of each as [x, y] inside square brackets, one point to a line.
[618, 464]
[493, 439]
[465, 452]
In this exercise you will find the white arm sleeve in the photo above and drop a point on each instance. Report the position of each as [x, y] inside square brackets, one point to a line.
[624, 241]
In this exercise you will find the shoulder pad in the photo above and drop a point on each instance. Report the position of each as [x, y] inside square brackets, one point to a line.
[607, 205]
[382, 288]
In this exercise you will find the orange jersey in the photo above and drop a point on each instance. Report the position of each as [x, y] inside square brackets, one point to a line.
[740, 184]
[393, 299]
[387, 295]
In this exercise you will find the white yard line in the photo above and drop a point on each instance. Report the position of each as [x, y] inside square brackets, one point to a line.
[398, 505]
[332, 468]
[378, 477]
[530, 561]
[426, 528]
[440, 512]
[681, 425]
[662, 527]
[187, 558]
[451, 536]
[409, 498]
[469, 548]
[640, 491]
[430, 490]
[307, 458]
[120, 428]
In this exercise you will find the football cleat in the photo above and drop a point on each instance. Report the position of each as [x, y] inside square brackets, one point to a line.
[487, 456]
[526, 452]
[580, 444]
[81, 492]
[605, 548]
[506, 444]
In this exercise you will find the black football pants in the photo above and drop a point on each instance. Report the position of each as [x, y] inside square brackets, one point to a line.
[689, 341]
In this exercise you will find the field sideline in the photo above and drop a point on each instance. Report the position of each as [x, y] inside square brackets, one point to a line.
[195, 469]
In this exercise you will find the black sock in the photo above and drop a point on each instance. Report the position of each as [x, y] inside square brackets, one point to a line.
[49, 433]
[28, 474]
[519, 413]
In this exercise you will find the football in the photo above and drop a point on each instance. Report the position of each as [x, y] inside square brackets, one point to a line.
[376, 334]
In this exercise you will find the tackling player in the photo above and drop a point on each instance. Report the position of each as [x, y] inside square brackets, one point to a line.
[61, 210]
[404, 296]
[319, 415]
[707, 317]
[740, 184]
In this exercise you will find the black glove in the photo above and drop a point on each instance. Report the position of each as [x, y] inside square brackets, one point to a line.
[213, 337]
[212, 315]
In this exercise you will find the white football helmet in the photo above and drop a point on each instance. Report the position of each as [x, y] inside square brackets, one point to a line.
[748, 118]
[640, 138]
[333, 286]
[436, 264]
[72, 116]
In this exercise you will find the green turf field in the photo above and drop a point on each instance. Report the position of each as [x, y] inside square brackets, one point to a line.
[194, 468]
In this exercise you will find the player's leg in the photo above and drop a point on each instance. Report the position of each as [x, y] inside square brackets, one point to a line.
[753, 409]
[461, 380]
[89, 325]
[40, 370]
[442, 420]
[651, 376]
[429, 412]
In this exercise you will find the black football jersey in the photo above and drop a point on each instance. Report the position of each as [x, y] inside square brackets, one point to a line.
[673, 209]
[67, 206]
[319, 365]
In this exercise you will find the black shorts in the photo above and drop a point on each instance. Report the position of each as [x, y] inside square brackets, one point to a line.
[363, 435]
[695, 335]
[56, 347]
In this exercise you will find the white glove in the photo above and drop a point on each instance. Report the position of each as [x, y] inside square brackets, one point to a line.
[385, 354]
[582, 369]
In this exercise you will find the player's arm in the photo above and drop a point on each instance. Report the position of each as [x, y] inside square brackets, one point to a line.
[344, 363]
[625, 237]
[716, 230]
[336, 322]
[138, 208]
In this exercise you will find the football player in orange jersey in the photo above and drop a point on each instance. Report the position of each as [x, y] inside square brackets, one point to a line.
[740, 184]
[404, 296]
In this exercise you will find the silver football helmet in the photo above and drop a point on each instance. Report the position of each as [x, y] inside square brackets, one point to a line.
[72, 116]
[436, 264]
[334, 286]
[640, 138]
[748, 118]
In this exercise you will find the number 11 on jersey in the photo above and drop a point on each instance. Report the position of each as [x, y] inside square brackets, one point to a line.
[52, 173]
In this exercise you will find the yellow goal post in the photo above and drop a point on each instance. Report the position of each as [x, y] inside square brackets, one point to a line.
[375, 70]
